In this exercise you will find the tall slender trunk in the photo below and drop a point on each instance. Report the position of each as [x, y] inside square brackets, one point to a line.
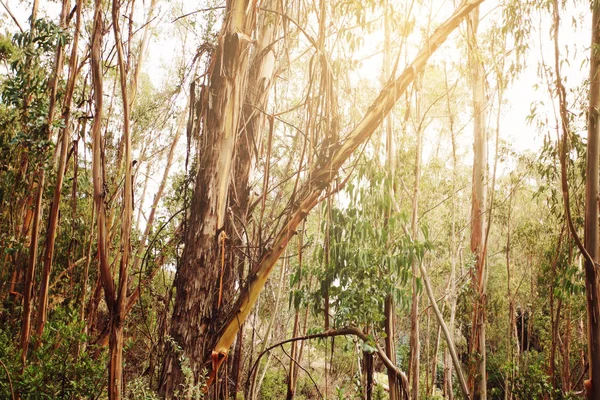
[394, 382]
[511, 340]
[591, 211]
[294, 351]
[117, 312]
[447, 334]
[60, 174]
[369, 369]
[256, 384]
[434, 359]
[37, 213]
[477, 375]
[415, 351]
[448, 387]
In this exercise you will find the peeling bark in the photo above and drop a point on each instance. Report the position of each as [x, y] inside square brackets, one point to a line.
[309, 194]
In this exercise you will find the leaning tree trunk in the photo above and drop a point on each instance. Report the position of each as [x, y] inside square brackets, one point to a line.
[310, 193]
[477, 375]
[196, 318]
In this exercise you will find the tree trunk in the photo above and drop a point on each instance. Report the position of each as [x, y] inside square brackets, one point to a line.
[591, 211]
[60, 174]
[368, 369]
[415, 347]
[194, 327]
[394, 382]
[447, 335]
[196, 313]
[477, 375]
[295, 350]
[37, 213]
[452, 298]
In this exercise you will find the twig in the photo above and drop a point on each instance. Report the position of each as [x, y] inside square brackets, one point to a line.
[197, 11]
[13, 18]
[12, 392]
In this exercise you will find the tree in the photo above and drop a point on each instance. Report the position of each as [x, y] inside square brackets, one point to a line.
[591, 210]
[477, 375]
[196, 309]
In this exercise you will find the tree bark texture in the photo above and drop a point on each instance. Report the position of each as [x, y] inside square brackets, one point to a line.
[196, 312]
[198, 327]
[477, 372]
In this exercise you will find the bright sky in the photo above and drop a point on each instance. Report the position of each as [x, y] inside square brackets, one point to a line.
[165, 47]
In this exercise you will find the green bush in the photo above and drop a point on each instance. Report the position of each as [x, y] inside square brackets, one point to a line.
[57, 372]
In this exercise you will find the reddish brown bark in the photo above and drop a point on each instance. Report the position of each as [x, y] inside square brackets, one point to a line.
[60, 174]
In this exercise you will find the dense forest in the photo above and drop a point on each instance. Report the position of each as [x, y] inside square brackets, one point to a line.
[269, 199]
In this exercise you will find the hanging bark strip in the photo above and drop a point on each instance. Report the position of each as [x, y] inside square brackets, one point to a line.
[309, 194]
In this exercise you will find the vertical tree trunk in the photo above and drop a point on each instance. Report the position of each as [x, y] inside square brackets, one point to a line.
[117, 312]
[511, 339]
[394, 382]
[415, 350]
[434, 359]
[477, 375]
[37, 213]
[294, 351]
[448, 386]
[591, 211]
[60, 174]
[196, 319]
[447, 335]
[369, 369]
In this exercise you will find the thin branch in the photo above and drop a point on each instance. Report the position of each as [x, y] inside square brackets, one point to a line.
[12, 392]
[341, 332]
[198, 11]
[13, 18]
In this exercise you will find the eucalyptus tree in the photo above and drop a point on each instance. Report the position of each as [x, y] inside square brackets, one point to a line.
[195, 316]
[591, 211]
[477, 375]
[196, 326]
